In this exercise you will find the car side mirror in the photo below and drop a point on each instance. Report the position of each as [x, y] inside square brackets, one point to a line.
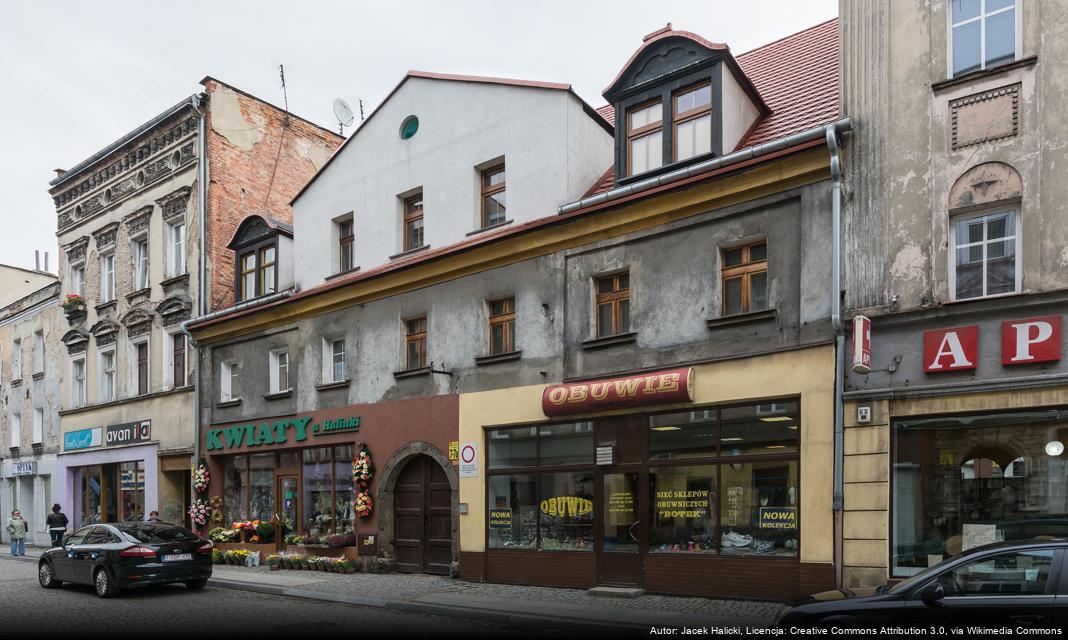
[932, 595]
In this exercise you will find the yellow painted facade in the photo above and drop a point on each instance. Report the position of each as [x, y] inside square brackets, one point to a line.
[806, 373]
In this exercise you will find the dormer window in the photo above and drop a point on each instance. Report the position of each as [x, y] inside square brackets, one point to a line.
[260, 246]
[693, 122]
[645, 138]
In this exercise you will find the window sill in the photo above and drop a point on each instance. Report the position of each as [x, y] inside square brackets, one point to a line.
[490, 228]
[498, 357]
[278, 395]
[608, 341]
[405, 254]
[743, 318]
[982, 74]
[226, 404]
[38, 376]
[104, 306]
[411, 373]
[328, 386]
[996, 296]
[179, 279]
[340, 274]
[140, 293]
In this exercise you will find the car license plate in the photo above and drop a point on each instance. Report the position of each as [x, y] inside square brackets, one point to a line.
[174, 557]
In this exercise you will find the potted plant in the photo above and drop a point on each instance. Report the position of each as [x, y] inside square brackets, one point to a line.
[274, 561]
[217, 556]
[265, 531]
[74, 307]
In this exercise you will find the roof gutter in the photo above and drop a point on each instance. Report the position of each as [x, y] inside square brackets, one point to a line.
[841, 126]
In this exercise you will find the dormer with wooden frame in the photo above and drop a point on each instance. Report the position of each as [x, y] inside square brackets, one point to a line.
[680, 99]
[263, 257]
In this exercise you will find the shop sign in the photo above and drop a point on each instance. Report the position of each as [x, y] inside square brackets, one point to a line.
[128, 432]
[469, 460]
[454, 450]
[674, 385]
[778, 518]
[24, 469]
[621, 502]
[682, 504]
[83, 439]
[277, 432]
[500, 518]
[954, 349]
[1031, 340]
[861, 344]
[565, 506]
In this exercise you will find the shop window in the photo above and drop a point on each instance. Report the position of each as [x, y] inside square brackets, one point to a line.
[132, 490]
[344, 489]
[493, 196]
[683, 501]
[964, 481]
[613, 305]
[984, 255]
[745, 278]
[515, 447]
[513, 512]
[1019, 573]
[235, 489]
[566, 511]
[502, 326]
[759, 508]
[685, 434]
[982, 34]
[415, 343]
[261, 486]
[565, 443]
[318, 499]
[760, 429]
[621, 513]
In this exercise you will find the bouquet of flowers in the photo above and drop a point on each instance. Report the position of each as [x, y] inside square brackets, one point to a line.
[201, 479]
[198, 512]
[363, 504]
[245, 525]
[73, 301]
[363, 467]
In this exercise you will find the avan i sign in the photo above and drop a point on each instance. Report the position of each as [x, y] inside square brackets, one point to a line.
[1026, 341]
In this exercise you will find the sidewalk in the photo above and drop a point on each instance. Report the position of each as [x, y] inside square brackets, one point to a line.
[536, 607]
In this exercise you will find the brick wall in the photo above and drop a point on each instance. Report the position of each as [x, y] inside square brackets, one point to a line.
[245, 138]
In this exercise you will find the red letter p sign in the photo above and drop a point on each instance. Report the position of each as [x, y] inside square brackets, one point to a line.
[1031, 340]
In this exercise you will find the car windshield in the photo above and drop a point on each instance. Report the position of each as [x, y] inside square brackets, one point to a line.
[156, 534]
[919, 577]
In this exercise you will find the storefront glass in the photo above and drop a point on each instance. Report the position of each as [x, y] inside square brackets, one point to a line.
[621, 513]
[261, 486]
[566, 508]
[759, 510]
[343, 488]
[132, 490]
[91, 495]
[318, 491]
[964, 481]
[513, 512]
[517, 447]
[235, 489]
[683, 509]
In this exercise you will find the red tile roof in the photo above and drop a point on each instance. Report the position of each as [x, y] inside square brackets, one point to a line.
[608, 112]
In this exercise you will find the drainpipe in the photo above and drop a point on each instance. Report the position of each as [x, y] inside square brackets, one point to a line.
[202, 198]
[839, 343]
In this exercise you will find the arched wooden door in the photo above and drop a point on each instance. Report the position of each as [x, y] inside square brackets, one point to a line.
[422, 508]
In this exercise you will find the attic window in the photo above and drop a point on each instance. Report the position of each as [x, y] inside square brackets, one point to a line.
[409, 127]
[693, 122]
[644, 138]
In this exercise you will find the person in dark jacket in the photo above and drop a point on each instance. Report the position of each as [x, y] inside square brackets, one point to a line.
[57, 525]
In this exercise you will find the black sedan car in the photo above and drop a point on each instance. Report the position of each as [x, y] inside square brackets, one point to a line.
[117, 556]
[998, 585]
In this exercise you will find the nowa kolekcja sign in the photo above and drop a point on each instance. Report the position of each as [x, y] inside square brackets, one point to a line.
[277, 432]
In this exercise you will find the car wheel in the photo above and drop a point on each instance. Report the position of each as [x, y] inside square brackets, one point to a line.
[197, 584]
[105, 587]
[47, 577]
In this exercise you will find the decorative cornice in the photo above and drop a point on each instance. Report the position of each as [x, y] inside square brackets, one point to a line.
[138, 221]
[175, 203]
[105, 235]
[76, 250]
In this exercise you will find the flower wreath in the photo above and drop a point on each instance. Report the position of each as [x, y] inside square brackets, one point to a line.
[198, 512]
[363, 467]
[201, 479]
[364, 504]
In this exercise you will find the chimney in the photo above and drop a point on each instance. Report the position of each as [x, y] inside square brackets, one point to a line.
[36, 260]
[59, 172]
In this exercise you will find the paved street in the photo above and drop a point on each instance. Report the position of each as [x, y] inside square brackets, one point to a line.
[174, 611]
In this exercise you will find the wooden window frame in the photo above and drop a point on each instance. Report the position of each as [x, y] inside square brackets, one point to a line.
[261, 268]
[506, 318]
[242, 272]
[140, 390]
[634, 134]
[257, 250]
[682, 118]
[411, 215]
[746, 270]
[613, 297]
[491, 190]
[346, 242]
[179, 362]
[418, 336]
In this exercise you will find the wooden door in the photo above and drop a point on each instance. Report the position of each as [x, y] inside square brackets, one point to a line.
[422, 507]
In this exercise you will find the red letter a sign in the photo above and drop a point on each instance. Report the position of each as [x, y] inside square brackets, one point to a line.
[951, 349]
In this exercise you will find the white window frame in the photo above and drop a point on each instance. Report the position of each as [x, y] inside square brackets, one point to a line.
[274, 358]
[38, 425]
[168, 346]
[982, 18]
[329, 344]
[77, 277]
[16, 429]
[229, 372]
[176, 249]
[132, 361]
[1018, 258]
[140, 263]
[38, 354]
[107, 277]
[104, 374]
[77, 387]
[16, 359]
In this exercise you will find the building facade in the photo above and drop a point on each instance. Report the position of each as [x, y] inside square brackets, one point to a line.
[955, 237]
[633, 387]
[30, 357]
[142, 225]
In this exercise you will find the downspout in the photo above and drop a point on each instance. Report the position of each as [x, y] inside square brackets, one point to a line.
[839, 345]
[202, 197]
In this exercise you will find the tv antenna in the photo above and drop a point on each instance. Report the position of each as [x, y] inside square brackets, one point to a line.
[343, 112]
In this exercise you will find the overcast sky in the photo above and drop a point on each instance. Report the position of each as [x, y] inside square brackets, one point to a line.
[76, 75]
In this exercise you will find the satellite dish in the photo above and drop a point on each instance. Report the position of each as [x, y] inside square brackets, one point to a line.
[343, 112]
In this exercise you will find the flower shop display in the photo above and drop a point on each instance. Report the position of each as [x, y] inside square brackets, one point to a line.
[341, 540]
[201, 479]
[364, 505]
[363, 467]
[274, 561]
[198, 512]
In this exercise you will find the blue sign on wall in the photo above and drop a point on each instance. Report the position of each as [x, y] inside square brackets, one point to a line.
[83, 439]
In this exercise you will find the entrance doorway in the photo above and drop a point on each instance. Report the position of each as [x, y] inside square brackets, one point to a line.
[621, 528]
[289, 501]
[423, 518]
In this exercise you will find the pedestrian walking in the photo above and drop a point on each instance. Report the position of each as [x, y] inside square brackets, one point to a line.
[17, 528]
[57, 525]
